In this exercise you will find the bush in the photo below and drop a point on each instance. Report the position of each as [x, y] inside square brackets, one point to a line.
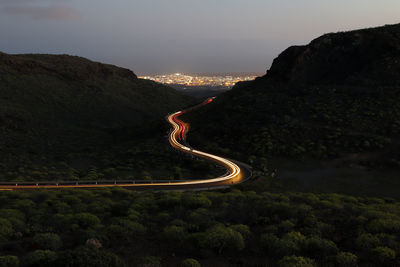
[221, 238]
[193, 201]
[276, 247]
[9, 261]
[346, 259]
[6, 229]
[89, 257]
[244, 230]
[174, 233]
[127, 228]
[86, 220]
[149, 261]
[321, 247]
[365, 241]
[294, 261]
[383, 256]
[41, 258]
[48, 241]
[190, 263]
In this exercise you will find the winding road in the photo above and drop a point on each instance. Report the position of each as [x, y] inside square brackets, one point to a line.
[236, 173]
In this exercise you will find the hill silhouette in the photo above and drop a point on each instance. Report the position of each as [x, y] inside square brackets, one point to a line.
[363, 57]
[68, 113]
[334, 100]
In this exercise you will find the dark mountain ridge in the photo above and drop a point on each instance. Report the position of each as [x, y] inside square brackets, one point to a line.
[80, 91]
[63, 66]
[334, 102]
[52, 106]
[360, 57]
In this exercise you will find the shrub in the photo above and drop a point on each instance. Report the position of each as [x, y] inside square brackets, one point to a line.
[9, 261]
[149, 261]
[221, 238]
[48, 241]
[190, 263]
[383, 256]
[41, 258]
[346, 259]
[294, 261]
[175, 233]
[89, 257]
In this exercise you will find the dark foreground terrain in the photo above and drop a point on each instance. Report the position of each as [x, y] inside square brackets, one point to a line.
[118, 227]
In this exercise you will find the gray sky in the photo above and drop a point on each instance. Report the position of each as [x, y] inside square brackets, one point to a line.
[158, 36]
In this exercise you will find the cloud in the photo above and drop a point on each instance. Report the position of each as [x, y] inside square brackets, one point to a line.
[40, 9]
[30, 1]
[43, 12]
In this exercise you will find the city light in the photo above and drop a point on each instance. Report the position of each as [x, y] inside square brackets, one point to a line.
[227, 81]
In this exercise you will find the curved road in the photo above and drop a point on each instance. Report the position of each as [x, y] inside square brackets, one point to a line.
[236, 173]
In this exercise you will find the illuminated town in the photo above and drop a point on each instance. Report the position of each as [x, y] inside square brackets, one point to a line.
[227, 81]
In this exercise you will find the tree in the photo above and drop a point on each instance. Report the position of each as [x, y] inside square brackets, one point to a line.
[276, 247]
[6, 229]
[383, 256]
[367, 240]
[41, 258]
[9, 261]
[149, 261]
[48, 241]
[126, 229]
[294, 261]
[243, 230]
[346, 259]
[89, 257]
[221, 238]
[190, 263]
[195, 200]
[321, 247]
[174, 233]
[199, 216]
[384, 226]
[286, 225]
[86, 220]
[170, 199]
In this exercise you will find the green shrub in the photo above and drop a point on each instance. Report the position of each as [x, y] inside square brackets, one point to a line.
[40, 258]
[48, 241]
[294, 261]
[346, 259]
[89, 257]
[9, 261]
[190, 263]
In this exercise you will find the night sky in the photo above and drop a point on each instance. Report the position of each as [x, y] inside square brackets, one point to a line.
[160, 36]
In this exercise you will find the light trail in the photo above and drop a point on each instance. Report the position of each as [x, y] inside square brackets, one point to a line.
[235, 173]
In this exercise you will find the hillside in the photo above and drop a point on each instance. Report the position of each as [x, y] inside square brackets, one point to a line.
[330, 110]
[65, 117]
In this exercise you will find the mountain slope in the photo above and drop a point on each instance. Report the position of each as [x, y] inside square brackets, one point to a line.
[54, 106]
[363, 57]
[334, 99]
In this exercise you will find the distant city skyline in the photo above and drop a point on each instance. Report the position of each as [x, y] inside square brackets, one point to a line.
[168, 36]
[193, 80]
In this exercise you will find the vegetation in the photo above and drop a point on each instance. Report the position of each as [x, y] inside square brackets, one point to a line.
[118, 227]
[71, 119]
[67, 118]
[333, 104]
